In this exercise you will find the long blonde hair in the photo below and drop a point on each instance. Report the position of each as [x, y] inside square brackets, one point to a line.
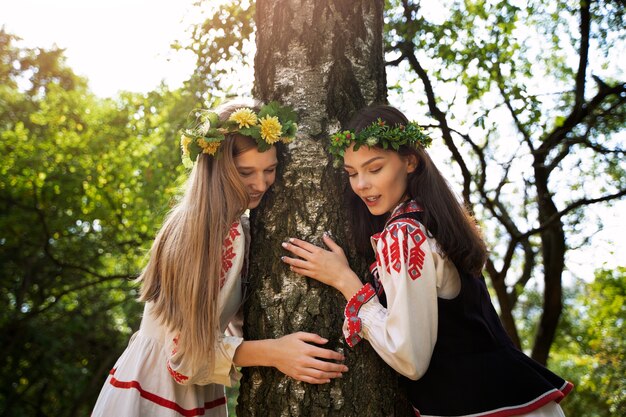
[183, 271]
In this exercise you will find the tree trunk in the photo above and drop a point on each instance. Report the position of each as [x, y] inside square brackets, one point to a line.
[504, 301]
[325, 59]
[553, 259]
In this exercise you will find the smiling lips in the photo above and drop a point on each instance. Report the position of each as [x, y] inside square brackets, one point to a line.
[256, 196]
[371, 201]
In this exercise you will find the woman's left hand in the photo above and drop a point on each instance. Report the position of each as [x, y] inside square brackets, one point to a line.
[326, 266]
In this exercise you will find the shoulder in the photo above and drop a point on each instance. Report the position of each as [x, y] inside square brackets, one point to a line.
[410, 232]
[400, 247]
[401, 236]
[401, 229]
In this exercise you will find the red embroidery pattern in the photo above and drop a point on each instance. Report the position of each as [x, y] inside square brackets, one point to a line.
[352, 313]
[175, 346]
[408, 249]
[228, 252]
[178, 377]
[409, 207]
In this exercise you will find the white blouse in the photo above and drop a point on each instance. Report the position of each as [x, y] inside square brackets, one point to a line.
[413, 273]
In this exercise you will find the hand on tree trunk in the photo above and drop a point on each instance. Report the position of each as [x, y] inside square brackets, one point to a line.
[295, 356]
[329, 267]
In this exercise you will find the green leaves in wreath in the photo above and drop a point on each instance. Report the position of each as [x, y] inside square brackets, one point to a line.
[379, 133]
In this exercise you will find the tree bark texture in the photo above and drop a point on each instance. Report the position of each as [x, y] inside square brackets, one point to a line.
[553, 249]
[325, 59]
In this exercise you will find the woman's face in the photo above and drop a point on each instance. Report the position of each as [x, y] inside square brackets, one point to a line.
[257, 171]
[378, 176]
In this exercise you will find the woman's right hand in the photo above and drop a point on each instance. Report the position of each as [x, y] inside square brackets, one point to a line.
[329, 267]
[296, 357]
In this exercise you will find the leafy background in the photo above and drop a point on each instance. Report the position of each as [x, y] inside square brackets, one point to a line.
[85, 182]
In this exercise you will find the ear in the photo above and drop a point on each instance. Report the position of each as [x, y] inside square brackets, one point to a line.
[411, 163]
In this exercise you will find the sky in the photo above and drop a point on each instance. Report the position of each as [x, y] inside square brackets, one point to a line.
[116, 44]
[125, 45]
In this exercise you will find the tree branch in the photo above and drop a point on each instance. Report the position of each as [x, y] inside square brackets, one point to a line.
[509, 106]
[573, 206]
[576, 117]
[583, 56]
[396, 61]
[529, 266]
[440, 116]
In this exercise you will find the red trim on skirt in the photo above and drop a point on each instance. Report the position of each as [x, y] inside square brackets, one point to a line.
[164, 402]
[555, 395]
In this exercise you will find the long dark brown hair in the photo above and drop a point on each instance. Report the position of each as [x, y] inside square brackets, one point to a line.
[445, 218]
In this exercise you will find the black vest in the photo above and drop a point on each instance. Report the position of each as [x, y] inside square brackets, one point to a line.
[475, 368]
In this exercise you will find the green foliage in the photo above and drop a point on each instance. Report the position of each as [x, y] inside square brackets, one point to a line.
[223, 45]
[84, 185]
[591, 348]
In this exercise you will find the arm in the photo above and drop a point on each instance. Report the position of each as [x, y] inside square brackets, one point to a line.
[294, 356]
[404, 333]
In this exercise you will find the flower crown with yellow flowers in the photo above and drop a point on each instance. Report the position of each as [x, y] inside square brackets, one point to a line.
[271, 124]
[379, 133]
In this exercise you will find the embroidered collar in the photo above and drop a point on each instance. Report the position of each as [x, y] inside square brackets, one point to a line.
[408, 206]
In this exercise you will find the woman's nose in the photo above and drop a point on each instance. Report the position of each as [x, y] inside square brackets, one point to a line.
[260, 184]
[362, 183]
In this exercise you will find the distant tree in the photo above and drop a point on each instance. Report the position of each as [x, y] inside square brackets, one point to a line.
[590, 346]
[542, 138]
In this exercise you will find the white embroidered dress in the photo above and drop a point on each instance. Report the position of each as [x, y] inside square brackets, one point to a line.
[151, 379]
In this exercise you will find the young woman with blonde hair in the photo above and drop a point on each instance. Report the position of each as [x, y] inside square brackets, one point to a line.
[189, 343]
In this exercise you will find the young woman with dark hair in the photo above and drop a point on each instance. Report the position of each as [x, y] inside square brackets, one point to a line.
[428, 314]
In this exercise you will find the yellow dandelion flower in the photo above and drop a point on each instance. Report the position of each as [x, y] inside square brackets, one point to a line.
[184, 144]
[245, 117]
[270, 129]
[208, 147]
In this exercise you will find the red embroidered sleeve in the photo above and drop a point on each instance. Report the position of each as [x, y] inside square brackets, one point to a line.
[352, 313]
[408, 249]
[178, 377]
[228, 252]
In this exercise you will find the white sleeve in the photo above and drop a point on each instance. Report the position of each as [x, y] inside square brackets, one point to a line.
[403, 334]
[224, 371]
